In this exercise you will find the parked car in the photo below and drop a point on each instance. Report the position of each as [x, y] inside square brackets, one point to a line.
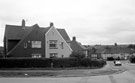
[117, 63]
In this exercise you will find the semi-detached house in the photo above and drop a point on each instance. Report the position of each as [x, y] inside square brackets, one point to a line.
[36, 42]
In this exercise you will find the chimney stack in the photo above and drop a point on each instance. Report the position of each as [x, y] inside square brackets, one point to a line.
[51, 24]
[74, 38]
[23, 23]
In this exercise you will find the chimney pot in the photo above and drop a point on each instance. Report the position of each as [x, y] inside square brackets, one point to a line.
[51, 24]
[23, 23]
[74, 38]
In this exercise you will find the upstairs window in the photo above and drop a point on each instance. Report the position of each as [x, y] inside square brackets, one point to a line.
[53, 44]
[62, 46]
[36, 44]
[25, 45]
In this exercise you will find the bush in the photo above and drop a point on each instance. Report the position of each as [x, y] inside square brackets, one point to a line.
[132, 59]
[48, 63]
[78, 55]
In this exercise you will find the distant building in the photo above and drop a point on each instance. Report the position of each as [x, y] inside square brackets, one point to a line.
[115, 52]
[36, 42]
[105, 51]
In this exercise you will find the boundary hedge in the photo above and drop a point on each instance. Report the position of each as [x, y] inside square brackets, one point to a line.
[48, 63]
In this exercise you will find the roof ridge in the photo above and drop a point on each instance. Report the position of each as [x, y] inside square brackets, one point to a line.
[17, 25]
[60, 28]
[81, 45]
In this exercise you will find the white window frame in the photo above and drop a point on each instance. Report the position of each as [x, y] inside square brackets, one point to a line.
[53, 44]
[36, 44]
[62, 45]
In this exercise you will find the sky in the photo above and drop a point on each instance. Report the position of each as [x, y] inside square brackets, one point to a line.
[93, 22]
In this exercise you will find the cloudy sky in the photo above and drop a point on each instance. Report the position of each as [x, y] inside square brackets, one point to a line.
[91, 21]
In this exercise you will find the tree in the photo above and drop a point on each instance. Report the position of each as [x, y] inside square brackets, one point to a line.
[131, 46]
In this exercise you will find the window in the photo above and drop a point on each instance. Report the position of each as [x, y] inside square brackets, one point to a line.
[25, 45]
[62, 47]
[94, 55]
[36, 44]
[36, 55]
[53, 44]
[53, 55]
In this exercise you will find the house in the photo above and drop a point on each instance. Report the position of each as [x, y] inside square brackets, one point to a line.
[105, 51]
[115, 52]
[36, 42]
[92, 53]
[78, 47]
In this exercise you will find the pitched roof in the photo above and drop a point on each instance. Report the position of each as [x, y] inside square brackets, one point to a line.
[18, 32]
[23, 37]
[81, 45]
[115, 50]
[76, 46]
[64, 34]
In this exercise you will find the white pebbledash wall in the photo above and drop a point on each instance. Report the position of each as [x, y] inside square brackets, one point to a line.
[53, 34]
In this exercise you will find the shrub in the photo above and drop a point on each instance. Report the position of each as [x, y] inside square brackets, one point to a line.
[78, 55]
[132, 59]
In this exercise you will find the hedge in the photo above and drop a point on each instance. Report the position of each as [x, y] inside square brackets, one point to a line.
[48, 62]
[110, 58]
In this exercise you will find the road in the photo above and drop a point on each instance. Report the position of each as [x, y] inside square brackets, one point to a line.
[126, 76]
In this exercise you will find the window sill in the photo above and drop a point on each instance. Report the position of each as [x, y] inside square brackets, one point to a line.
[53, 48]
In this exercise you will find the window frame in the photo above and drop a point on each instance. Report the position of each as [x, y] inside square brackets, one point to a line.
[62, 45]
[36, 44]
[53, 44]
[25, 45]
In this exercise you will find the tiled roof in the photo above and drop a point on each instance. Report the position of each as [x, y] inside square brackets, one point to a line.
[18, 32]
[64, 34]
[115, 50]
[76, 46]
[81, 45]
